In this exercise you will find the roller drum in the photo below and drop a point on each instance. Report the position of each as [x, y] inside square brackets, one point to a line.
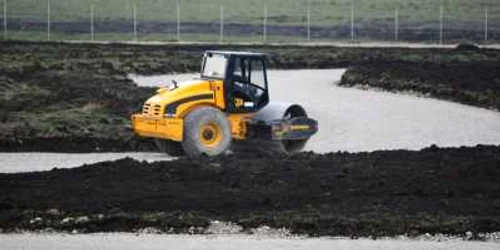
[273, 112]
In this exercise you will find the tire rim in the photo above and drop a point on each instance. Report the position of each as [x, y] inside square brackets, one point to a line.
[210, 135]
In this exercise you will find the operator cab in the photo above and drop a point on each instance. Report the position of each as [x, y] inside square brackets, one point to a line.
[244, 76]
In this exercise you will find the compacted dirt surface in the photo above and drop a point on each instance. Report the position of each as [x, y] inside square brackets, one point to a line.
[435, 190]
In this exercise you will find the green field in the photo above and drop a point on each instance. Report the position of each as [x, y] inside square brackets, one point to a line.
[287, 12]
[118, 37]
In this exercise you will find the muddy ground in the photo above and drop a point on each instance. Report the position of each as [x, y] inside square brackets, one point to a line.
[435, 190]
[76, 97]
[472, 83]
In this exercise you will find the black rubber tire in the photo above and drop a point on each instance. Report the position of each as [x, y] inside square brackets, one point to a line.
[169, 147]
[192, 124]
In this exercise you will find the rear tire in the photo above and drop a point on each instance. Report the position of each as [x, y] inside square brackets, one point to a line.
[169, 147]
[206, 132]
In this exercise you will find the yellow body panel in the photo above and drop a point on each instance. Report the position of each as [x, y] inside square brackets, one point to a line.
[208, 92]
[239, 125]
[163, 114]
[165, 128]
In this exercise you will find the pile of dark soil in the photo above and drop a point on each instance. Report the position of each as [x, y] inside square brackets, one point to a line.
[54, 100]
[476, 83]
[76, 144]
[452, 190]
[68, 111]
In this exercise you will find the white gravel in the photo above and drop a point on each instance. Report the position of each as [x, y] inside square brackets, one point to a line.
[34, 161]
[219, 242]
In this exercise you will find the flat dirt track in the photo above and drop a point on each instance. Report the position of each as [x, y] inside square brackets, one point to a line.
[118, 241]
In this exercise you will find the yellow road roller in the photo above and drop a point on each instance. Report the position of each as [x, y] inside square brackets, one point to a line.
[226, 108]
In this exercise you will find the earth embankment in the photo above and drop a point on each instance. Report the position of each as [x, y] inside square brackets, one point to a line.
[435, 190]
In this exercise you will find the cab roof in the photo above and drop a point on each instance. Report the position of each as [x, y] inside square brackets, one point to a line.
[235, 53]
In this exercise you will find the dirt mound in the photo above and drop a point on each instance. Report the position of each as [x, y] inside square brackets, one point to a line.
[58, 110]
[467, 47]
[76, 144]
[473, 83]
[435, 190]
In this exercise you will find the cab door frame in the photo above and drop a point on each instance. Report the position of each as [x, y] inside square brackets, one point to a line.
[229, 82]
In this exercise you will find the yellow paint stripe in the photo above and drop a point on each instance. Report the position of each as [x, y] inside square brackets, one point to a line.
[299, 127]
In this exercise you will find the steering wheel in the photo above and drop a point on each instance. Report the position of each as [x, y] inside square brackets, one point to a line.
[247, 90]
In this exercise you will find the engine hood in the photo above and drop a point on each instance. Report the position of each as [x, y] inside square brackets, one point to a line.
[188, 88]
[185, 91]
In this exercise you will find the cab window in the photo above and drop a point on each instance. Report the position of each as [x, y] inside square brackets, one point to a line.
[241, 70]
[258, 76]
[214, 66]
[248, 84]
